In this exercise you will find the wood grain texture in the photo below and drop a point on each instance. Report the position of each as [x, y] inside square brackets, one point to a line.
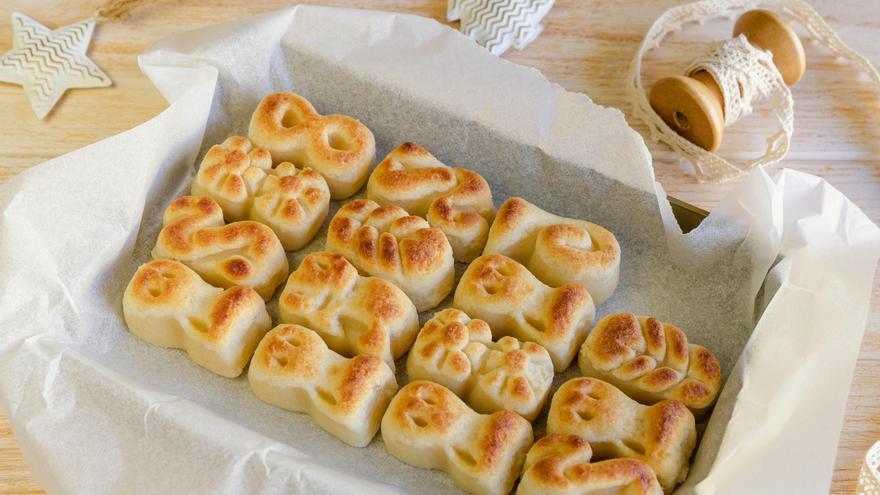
[586, 47]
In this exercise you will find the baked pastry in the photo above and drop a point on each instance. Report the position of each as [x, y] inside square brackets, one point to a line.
[458, 353]
[651, 361]
[293, 369]
[389, 243]
[428, 426]
[556, 249]
[662, 435]
[240, 178]
[338, 147]
[353, 314]
[560, 465]
[513, 302]
[240, 253]
[457, 201]
[167, 304]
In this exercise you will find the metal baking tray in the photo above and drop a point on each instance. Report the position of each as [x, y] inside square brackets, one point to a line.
[688, 216]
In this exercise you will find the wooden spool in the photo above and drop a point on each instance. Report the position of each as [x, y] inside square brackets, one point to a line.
[694, 105]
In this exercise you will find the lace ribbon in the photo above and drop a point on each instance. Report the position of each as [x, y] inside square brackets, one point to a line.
[869, 476]
[735, 64]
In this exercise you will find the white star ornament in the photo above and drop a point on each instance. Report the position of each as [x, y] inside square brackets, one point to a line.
[47, 63]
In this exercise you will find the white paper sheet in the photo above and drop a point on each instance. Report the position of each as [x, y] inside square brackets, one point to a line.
[95, 410]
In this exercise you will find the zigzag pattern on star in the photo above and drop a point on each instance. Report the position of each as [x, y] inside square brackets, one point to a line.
[499, 24]
[42, 69]
[518, 29]
[49, 56]
[49, 62]
[501, 20]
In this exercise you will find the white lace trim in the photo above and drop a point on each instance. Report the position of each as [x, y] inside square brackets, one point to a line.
[869, 477]
[758, 78]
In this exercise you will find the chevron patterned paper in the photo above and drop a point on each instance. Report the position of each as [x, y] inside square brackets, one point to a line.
[46, 63]
[500, 24]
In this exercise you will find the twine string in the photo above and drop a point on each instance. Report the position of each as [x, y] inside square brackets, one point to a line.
[115, 10]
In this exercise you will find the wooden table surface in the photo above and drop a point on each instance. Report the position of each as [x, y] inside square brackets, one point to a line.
[586, 46]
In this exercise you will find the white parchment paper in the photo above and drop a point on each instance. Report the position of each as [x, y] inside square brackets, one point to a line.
[776, 281]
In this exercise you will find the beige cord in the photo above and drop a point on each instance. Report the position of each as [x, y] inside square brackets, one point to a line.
[118, 9]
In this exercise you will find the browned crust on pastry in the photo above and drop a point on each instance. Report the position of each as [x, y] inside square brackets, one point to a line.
[404, 221]
[655, 337]
[665, 423]
[446, 330]
[411, 148]
[271, 110]
[499, 435]
[393, 176]
[321, 130]
[309, 183]
[230, 159]
[186, 212]
[700, 386]
[693, 392]
[262, 239]
[515, 360]
[521, 389]
[444, 209]
[706, 363]
[510, 213]
[344, 228]
[456, 200]
[290, 349]
[384, 302]
[470, 183]
[449, 335]
[358, 139]
[676, 343]
[323, 269]
[567, 302]
[379, 305]
[159, 281]
[503, 274]
[442, 413]
[237, 268]
[361, 206]
[661, 378]
[558, 461]
[604, 252]
[419, 252]
[358, 381]
[228, 309]
[374, 339]
[663, 435]
[638, 366]
[388, 253]
[668, 365]
[169, 283]
[186, 228]
[599, 397]
[560, 443]
[626, 470]
[552, 452]
[220, 159]
[618, 334]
